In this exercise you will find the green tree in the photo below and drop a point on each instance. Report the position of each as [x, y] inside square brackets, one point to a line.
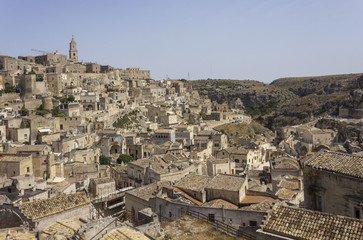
[124, 158]
[70, 98]
[105, 160]
[24, 112]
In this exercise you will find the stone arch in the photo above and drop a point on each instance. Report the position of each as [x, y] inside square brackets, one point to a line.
[12, 217]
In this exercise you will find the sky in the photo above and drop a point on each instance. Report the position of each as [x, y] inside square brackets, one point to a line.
[194, 39]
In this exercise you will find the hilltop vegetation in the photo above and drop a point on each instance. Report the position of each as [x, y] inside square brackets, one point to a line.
[235, 131]
[286, 101]
[128, 121]
[303, 86]
[252, 93]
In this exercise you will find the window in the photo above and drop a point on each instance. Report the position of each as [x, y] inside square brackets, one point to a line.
[61, 127]
[211, 217]
[318, 202]
[27, 169]
[356, 212]
[253, 223]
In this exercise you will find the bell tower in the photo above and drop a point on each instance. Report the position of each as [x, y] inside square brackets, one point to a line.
[73, 52]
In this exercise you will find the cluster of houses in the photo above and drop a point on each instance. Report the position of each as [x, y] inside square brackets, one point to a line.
[90, 151]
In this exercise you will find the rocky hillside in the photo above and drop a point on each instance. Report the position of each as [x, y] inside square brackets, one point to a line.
[286, 101]
[303, 86]
[318, 96]
[253, 94]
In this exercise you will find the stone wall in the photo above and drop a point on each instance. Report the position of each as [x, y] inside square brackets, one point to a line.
[339, 194]
[236, 217]
[80, 212]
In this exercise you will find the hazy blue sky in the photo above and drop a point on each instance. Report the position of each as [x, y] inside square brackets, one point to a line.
[261, 40]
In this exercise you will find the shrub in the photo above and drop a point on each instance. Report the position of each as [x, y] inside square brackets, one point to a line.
[70, 98]
[24, 112]
[124, 158]
[105, 160]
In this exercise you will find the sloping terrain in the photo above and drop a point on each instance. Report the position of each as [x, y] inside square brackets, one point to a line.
[303, 86]
[286, 101]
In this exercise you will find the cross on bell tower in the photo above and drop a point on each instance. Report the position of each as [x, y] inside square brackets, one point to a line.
[73, 52]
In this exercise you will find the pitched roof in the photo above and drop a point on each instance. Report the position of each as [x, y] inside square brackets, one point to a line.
[292, 185]
[17, 234]
[193, 182]
[226, 182]
[124, 233]
[44, 208]
[286, 163]
[103, 180]
[219, 203]
[251, 199]
[262, 206]
[347, 164]
[148, 191]
[301, 223]
[286, 193]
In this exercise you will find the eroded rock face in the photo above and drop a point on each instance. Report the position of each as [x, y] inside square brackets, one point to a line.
[346, 132]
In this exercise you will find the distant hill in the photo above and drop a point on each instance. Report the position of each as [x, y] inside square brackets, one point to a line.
[303, 86]
[286, 101]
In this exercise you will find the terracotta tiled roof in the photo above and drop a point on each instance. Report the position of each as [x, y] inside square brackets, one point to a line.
[64, 228]
[103, 180]
[286, 193]
[193, 182]
[347, 164]
[265, 205]
[292, 185]
[124, 233]
[226, 182]
[256, 199]
[301, 223]
[286, 163]
[218, 203]
[44, 208]
[17, 235]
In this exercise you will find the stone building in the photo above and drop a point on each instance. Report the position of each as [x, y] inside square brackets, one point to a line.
[243, 157]
[14, 66]
[283, 167]
[101, 186]
[163, 135]
[134, 73]
[194, 185]
[13, 165]
[216, 166]
[41, 157]
[231, 188]
[333, 183]
[51, 59]
[149, 170]
[43, 213]
[303, 139]
[93, 68]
